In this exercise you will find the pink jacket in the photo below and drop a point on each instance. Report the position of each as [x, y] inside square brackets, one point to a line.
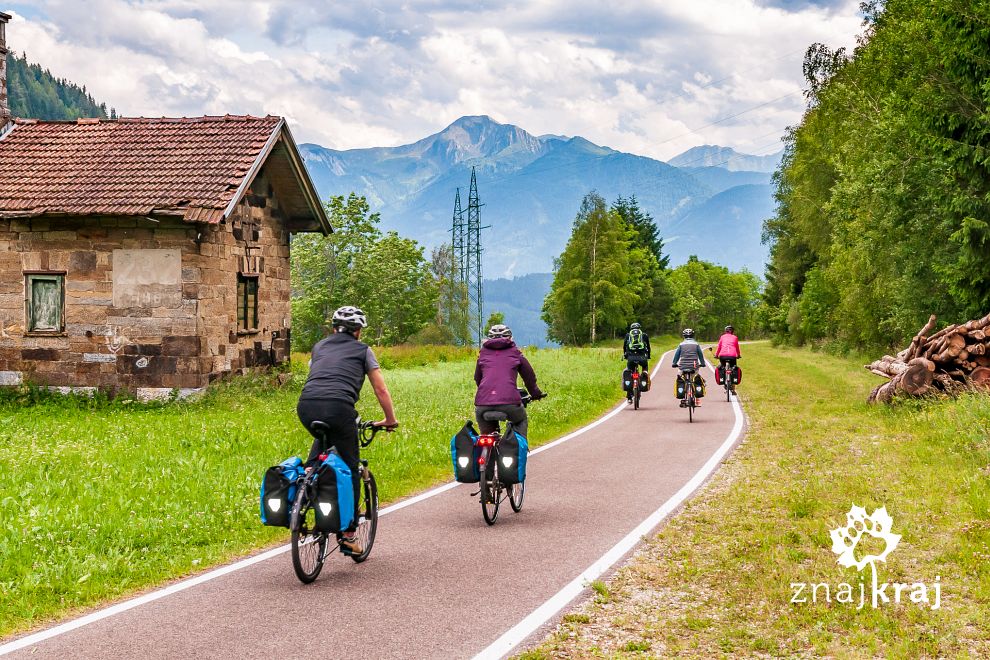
[728, 346]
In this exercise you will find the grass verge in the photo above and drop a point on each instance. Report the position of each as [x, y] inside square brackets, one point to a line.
[716, 581]
[99, 499]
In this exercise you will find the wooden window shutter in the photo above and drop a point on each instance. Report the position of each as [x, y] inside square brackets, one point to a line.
[45, 302]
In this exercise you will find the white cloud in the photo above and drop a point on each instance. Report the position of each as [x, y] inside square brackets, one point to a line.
[347, 74]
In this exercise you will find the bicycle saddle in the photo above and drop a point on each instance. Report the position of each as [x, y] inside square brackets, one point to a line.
[320, 428]
[494, 416]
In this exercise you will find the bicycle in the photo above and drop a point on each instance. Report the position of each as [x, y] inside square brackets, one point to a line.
[728, 379]
[727, 375]
[491, 487]
[310, 547]
[690, 397]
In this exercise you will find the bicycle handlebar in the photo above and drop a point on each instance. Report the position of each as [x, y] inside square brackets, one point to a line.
[368, 430]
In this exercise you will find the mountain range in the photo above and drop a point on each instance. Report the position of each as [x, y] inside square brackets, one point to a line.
[709, 201]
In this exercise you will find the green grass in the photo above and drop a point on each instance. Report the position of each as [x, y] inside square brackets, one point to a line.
[99, 499]
[716, 581]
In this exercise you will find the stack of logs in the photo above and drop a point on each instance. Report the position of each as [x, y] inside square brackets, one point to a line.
[951, 360]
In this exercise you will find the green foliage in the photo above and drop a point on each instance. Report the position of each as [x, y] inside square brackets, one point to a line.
[707, 297]
[453, 320]
[600, 279]
[33, 93]
[884, 191]
[495, 318]
[387, 276]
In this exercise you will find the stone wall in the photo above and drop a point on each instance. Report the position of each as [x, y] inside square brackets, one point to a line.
[151, 323]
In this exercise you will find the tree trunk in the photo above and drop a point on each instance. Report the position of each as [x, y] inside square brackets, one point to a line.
[980, 377]
[914, 380]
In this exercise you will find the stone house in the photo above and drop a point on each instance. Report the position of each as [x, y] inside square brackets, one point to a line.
[147, 254]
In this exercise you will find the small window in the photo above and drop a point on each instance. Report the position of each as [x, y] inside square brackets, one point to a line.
[247, 303]
[45, 302]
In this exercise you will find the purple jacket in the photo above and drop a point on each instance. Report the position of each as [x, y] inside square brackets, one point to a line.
[499, 363]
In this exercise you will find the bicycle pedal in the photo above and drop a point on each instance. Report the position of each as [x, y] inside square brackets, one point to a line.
[475, 493]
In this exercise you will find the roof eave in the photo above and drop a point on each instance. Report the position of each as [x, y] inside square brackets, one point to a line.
[309, 189]
[299, 168]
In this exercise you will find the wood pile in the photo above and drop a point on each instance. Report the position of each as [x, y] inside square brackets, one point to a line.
[951, 360]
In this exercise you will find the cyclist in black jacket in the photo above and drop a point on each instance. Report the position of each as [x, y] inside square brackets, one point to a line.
[636, 351]
[336, 374]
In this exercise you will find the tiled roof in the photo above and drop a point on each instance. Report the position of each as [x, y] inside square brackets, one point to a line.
[191, 166]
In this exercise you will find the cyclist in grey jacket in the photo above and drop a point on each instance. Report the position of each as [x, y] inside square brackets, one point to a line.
[689, 357]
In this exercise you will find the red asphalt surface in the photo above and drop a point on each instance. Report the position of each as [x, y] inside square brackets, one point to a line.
[440, 583]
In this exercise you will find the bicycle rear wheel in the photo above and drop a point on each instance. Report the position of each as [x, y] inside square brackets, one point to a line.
[727, 380]
[309, 545]
[367, 518]
[635, 397]
[517, 492]
[490, 490]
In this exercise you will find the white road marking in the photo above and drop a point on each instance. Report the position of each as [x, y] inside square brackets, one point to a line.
[519, 632]
[158, 594]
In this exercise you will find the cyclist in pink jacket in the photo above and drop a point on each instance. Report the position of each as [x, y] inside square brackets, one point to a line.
[727, 351]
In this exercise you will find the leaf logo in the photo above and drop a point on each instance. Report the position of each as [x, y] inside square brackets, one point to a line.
[845, 539]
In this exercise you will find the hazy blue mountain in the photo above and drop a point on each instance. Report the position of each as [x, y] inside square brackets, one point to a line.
[719, 178]
[531, 187]
[710, 155]
[520, 299]
[725, 229]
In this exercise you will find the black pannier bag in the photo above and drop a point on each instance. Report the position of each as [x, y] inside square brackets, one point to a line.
[278, 492]
[464, 455]
[334, 495]
[513, 449]
[626, 380]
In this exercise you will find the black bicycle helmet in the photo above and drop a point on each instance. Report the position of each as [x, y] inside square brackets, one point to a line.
[350, 318]
[499, 331]
[635, 326]
[688, 333]
[729, 328]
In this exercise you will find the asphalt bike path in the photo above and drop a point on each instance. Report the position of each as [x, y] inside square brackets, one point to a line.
[440, 583]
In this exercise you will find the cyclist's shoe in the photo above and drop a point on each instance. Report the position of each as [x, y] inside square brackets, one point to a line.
[683, 403]
[628, 399]
[350, 544]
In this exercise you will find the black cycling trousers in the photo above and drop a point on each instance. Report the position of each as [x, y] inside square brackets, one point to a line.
[641, 360]
[341, 417]
[515, 411]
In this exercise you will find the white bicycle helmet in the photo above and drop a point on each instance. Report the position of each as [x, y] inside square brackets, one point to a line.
[499, 331]
[349, 318]
[688, 333]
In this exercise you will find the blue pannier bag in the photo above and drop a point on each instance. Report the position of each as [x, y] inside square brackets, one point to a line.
[334, 495]
[464, 455]
[278, 491]
[512, 452]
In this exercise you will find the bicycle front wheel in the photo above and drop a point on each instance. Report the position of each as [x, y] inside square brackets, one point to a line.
[367, 518]
[490, 490]
[309, 545]
[517, 492]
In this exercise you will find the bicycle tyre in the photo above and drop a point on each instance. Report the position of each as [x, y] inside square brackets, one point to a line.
[635, 397]
[726, 379]
[366, 530]
[517, 493]
[309, 546]
[490, 489]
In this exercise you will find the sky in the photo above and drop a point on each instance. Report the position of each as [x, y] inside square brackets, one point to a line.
[652, 78]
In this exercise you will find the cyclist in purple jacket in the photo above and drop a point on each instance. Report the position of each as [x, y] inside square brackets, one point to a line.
[500, 363]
